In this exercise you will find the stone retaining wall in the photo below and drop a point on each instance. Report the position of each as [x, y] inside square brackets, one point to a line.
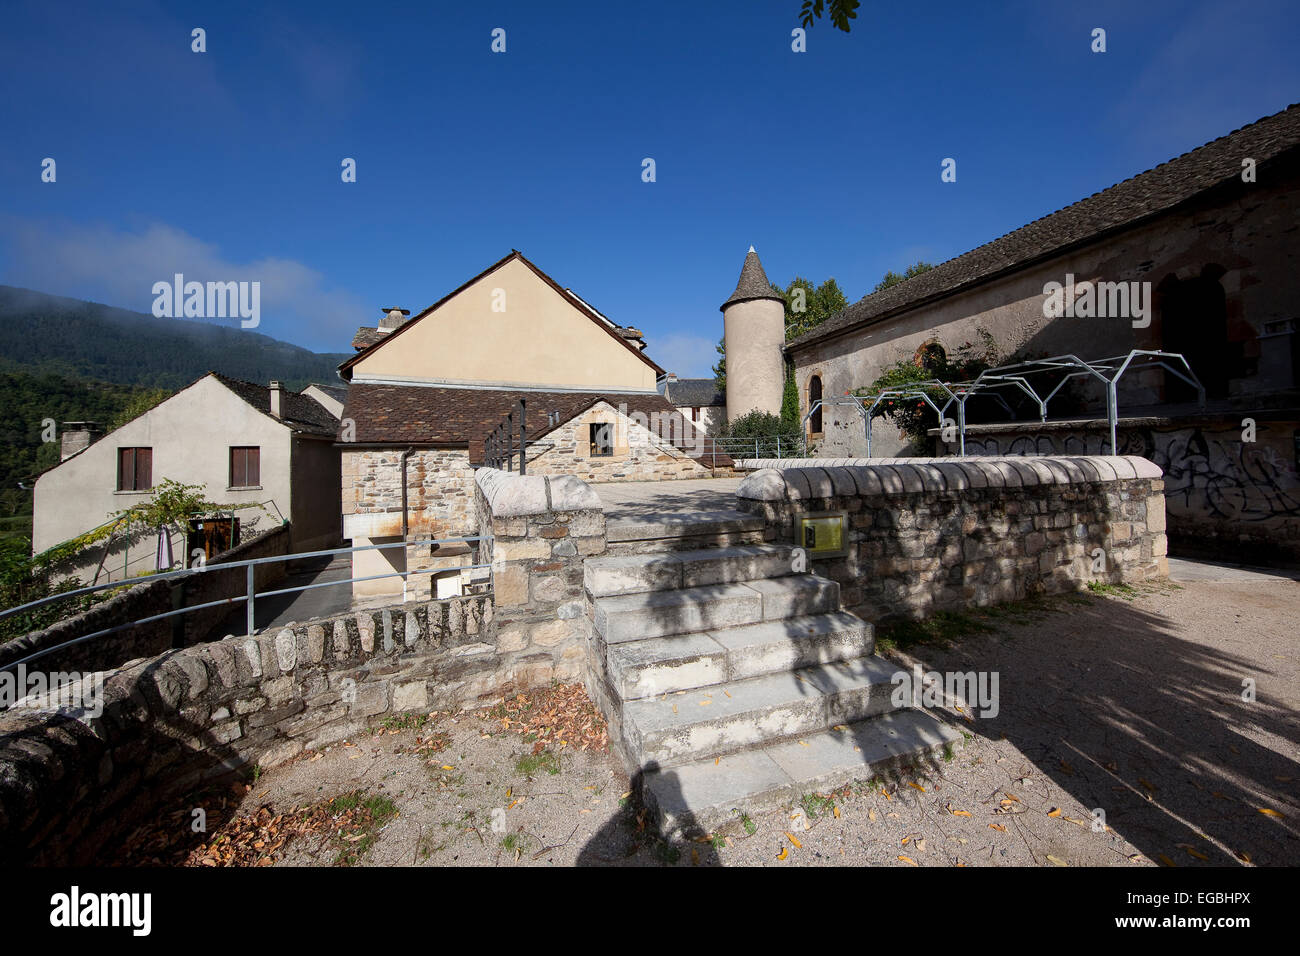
[72, 780]
[947, 534]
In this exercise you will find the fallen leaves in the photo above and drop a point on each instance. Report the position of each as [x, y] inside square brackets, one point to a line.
[562, 715]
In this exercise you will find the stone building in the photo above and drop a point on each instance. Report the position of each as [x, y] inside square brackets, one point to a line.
[754, 324]
[699, 400]
[425, 392]
[247, 444]
[1205, 246]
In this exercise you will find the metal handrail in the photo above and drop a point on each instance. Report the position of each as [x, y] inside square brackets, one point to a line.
[250, 595]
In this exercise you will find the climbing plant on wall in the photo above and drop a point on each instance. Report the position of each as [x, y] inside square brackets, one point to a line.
[912, 416]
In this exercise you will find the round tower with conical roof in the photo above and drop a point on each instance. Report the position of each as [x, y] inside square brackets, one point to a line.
[753, 322]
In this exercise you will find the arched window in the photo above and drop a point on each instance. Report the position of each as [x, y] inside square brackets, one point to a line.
[814, 396]
[931, 358]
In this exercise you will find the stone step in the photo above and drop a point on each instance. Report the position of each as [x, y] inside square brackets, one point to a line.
[662, 665]
[632, 617]
[682, 532]
[700, 796]
[663, 571]
[725, 718]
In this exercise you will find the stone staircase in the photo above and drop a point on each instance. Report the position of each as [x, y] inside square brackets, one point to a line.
[733, 682]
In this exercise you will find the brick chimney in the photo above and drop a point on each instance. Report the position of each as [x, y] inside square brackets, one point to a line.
[76, 436]
[277, 399]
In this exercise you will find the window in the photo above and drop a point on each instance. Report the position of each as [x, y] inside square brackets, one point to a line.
[602, 440]
[134, 469]
[815, 396]
[245, 467]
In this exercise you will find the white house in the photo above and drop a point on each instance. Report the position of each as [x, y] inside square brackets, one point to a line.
[246, 444]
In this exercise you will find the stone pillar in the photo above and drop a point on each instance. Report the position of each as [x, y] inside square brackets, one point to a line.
[542, 528]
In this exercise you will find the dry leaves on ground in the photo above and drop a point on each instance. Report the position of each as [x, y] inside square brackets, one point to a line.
[561, 715]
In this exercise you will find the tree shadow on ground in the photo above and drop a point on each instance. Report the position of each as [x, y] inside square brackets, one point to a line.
[1149, 726]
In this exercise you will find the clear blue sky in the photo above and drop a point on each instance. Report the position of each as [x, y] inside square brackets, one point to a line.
[225, 165]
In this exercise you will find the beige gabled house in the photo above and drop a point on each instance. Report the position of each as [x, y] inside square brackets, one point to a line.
[247, 444]
[426, 391]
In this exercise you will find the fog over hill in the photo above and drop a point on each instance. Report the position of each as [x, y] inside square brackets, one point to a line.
[50, 334]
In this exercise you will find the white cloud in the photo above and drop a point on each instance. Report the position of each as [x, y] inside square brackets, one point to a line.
[119, 268]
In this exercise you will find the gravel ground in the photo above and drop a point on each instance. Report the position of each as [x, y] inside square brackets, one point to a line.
[1128, 703]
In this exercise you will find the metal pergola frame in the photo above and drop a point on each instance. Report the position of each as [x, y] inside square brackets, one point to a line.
[1107, 371]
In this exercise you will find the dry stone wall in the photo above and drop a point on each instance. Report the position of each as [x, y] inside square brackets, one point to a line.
[946, 534]
[74, 779]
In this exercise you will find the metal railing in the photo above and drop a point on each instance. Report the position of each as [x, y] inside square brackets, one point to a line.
[499, 448]
[1105, 371]
[250, 594]
[789, 445]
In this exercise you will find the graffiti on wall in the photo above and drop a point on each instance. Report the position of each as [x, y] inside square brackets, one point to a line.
[1208, 472]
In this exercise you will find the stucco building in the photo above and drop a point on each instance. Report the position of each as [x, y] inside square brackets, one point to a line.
[1207, 242]
[247, 444]
[426, 391]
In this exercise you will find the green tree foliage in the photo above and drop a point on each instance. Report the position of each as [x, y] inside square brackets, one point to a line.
[841, 12]
[818, 303]
[48, 334]
[913, 416]
[790, 417]
[893, 278]
[26, 401]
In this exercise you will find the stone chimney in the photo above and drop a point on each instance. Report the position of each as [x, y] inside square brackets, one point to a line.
[76, 436]
[277, 399]
[393, 318]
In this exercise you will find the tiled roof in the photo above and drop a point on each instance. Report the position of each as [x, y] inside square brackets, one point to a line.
[366, 336]
[694, 392]
[300, 412]
[463, 417]
[1123, 205]
[753, 282]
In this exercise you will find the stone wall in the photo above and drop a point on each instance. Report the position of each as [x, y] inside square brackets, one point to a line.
[640, 453]
[439, 490]
[71, 780]
[145, 600]
[960, 533]
[542, 528]
[1232, 492]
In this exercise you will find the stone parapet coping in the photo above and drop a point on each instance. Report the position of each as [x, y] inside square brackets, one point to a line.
[828, 478]
[511, 495]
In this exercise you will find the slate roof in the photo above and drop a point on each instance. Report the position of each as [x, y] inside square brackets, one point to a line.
[699, 392]
[299, 412]
[1120, 206]
[337, 392]
[753, 282]
[399, 415]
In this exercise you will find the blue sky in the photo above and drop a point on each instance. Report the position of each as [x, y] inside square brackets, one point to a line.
[225, 165]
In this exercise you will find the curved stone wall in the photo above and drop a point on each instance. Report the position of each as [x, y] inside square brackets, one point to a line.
[927, 535]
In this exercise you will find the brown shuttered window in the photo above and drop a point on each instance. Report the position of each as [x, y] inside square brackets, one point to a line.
[134, 469]
[245, 467]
